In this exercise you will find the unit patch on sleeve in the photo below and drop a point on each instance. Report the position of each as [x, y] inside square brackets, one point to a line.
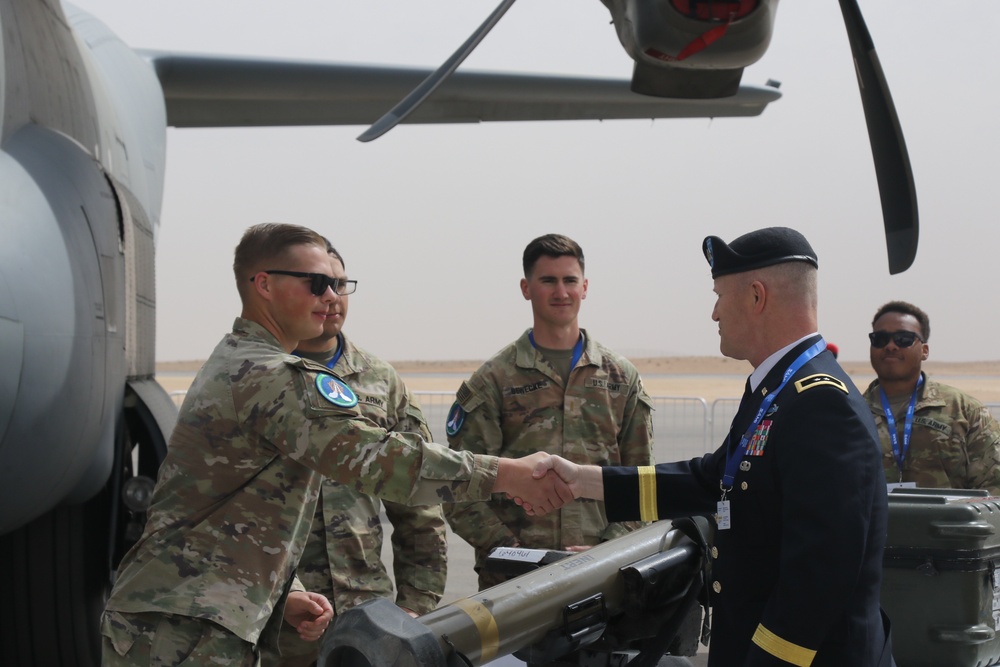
[336, 391]
[820, 380]
[456, 418]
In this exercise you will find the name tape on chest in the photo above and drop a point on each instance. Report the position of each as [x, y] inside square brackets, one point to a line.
[526, 388]
[614, 387]
[594, 383]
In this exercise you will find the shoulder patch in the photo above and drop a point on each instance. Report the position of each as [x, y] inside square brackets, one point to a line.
[820, 380]
[456, 419]
[468, 397]
[335, 391]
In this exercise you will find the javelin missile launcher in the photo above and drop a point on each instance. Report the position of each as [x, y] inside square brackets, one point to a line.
[585, 601]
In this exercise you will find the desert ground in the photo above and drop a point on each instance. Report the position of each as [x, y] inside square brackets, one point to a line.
[706, 377]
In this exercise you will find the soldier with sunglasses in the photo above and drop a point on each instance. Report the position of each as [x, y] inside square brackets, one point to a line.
[932, 434]
[212, 578]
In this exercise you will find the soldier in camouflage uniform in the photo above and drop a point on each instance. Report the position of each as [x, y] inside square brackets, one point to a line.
[236, 494]
[932, 434]
[342, 557]
[555, 390]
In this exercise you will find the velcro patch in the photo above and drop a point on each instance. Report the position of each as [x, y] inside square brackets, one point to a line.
[456, 418]
[820, 380]
[335, 391]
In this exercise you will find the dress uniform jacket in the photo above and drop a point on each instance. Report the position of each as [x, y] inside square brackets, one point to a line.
[237, 491]
[517, 404]
[796, 577]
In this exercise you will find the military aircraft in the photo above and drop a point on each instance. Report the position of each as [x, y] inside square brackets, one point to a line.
[84, 424]
[696, 49]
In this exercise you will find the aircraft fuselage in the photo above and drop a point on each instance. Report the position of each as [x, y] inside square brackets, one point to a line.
[80, 194]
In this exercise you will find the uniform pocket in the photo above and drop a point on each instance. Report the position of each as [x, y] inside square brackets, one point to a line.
[119, 631]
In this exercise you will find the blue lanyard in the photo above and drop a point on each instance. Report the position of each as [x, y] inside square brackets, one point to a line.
[336, 357]
[733, 461]
[340, 350]
[890, 420]
[577, 349]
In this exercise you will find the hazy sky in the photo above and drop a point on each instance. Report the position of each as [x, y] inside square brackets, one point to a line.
[432, 220]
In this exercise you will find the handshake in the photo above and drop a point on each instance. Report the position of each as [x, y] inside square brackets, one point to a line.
[541, 482]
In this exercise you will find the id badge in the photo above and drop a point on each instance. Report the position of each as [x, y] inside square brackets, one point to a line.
[722, 517]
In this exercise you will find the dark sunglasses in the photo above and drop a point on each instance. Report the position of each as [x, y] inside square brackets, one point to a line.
[320, 282]
[880, 339]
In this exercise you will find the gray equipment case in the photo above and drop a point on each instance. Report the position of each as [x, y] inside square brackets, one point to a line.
[940, 581]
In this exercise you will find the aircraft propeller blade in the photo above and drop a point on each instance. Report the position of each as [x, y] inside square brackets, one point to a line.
[892, 163]
[406, 106]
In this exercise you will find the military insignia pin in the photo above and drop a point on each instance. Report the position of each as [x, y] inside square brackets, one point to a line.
[336, 391]
[456, 417]
[744, 466]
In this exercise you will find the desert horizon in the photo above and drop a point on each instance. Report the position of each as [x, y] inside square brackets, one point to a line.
[707, 377]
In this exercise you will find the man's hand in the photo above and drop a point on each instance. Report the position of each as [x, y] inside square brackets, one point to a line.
[583, 481]
[309, 613]
[539, 494]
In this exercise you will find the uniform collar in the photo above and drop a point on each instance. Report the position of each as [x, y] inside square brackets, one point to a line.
[250, 329]
[351, 361]
[527, 357]
[929, 396]
[761, 372]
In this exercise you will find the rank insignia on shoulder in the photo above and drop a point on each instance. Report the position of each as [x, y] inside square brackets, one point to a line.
[456, 418]
[336, 391]
[820, 380]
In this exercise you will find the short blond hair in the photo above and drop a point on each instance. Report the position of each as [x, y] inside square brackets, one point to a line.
[268, 243]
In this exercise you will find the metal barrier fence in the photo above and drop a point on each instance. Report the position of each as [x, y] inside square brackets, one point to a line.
[683, 426]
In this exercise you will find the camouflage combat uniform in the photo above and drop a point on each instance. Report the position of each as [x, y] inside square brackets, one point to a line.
[955, 442]
[342, 557]
[516, 404]
[236, 494]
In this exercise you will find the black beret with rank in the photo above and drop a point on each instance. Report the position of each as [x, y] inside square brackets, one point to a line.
[764, 247]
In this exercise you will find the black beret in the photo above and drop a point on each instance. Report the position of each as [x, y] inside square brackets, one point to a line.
[764, 247]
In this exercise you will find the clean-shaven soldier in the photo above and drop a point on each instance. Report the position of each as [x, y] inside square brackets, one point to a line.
[557, 390]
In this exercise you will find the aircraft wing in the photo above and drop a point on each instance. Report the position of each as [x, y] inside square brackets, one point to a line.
[221, 91]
